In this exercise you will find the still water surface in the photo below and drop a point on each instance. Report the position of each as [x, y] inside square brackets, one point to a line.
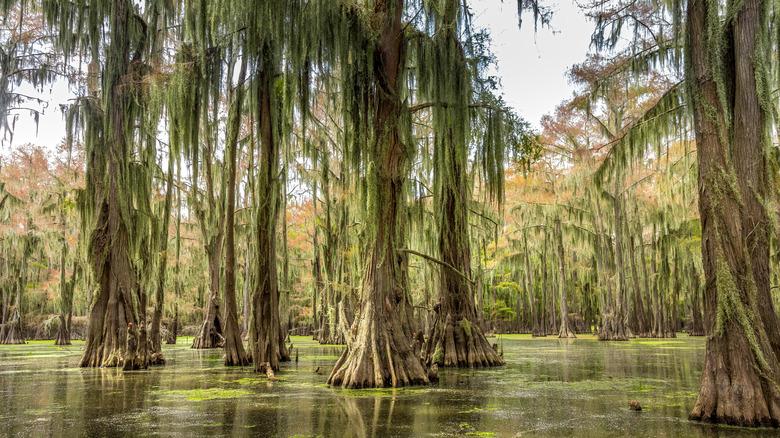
[548, 388]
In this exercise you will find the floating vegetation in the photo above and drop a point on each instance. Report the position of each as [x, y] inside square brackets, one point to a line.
[205, 394]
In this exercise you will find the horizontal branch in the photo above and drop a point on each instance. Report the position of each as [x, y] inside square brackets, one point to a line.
[440, 262]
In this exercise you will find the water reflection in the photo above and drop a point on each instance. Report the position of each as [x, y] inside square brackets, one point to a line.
[548, 388]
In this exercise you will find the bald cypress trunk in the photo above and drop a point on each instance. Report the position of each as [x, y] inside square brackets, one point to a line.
[741, 371]
[66, 286]
[266, 336]
[640, 322]
[697, 323]
[66, 297]
[456, 338]
[565, 331]
[379, 348]
[174, 331]
[210, 212]
[614, 326]
[210, 333]
[12, 332]
[656, 273]
[543, 329]
[235, 355]
[112, 337]
[319, 300]
[528, 286]
[155, 332]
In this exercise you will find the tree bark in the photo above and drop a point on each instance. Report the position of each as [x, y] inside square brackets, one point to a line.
[116, 312]
[379, 349]
[565, 331]
[528, 285]
[174, 331]
[266, 337]
[697, 323]
[155, 332]
[640, 327]
[235, 355]
[456, 338]
[66, 298]
[210, 334]
[739, 381]
[12, 332]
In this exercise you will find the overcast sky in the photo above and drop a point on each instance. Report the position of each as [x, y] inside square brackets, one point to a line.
[532, 66]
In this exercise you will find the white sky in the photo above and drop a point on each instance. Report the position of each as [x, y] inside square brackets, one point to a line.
[532, 66]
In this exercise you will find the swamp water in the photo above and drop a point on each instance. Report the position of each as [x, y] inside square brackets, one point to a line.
[549, 387]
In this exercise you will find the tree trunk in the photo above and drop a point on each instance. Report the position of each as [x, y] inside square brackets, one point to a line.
[646, 289]
[63, 331]
[379, 348]
[751, 146]
[739, 381]
[657, 331]
[316, 269]
[12, 329]
[528, 286]
[697, 324]
[66, 287]
[210, 333]
[456, 338]
[672, 314]
[565, 331]
[614, 325]
[543, 305]
[235, 355]
[640, 328]
[245, 291]
[66, 299]
[265, 335]
[174, 331]
[155, 333]
[115, 315]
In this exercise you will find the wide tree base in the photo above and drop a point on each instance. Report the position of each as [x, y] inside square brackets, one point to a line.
[156, 359]
[209, 336]
[126, 351]
[11, 333]
[461, 344]
[613, 329]
[380, 355]
[566, 333]
[63, 332]
[12, 339]
[235, 353]
[63, 338]
[734, 390]
[660, 335]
